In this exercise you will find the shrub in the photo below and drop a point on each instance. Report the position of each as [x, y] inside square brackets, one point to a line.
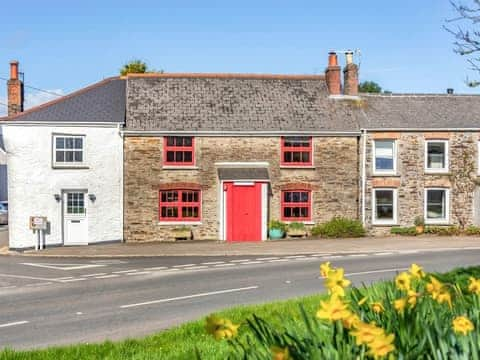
[276, 224]
[296, 226]
[472, 230]
[339, 227]
[409, 231]
[419, 221]
[443, 230]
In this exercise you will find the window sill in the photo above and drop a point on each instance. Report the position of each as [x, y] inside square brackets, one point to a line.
[67, 167]
[385, 175]
[297, 167]
[389, 224]
[180, 167]
[442, 223]
[436, 172]
[180, 223]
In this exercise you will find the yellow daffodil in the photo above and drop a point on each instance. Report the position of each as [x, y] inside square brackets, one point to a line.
[402, 281]
[362, 301]
[400, 305]
[336, 283]
[325, 269]
[365, 333]
[463, 325]
[333, 309]
[416, 271]
[351, 321]
[444, 297]
[412, 298]
[279, 353]
[434, 287]
[221, 328]
[381, 345]
[377, 307]
[474, 285]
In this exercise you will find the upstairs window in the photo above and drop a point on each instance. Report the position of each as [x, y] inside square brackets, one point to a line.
[180, 205]
[384, 153]
[296, 205]
[179, 150]
[69, 150]
[296, 151]
[436, 156]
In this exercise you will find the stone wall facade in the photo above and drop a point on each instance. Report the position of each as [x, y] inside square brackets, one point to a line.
[333, 179]
[411, 179]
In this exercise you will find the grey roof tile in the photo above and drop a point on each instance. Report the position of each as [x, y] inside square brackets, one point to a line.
[101, 102]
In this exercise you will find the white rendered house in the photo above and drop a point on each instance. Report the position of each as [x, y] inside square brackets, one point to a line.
[65, 163]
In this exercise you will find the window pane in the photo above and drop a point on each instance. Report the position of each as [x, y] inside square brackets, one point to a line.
[296, 156]
[187, 141]
[297, 141]
[187, 156]
[384, 152]
[170, 156]
[436, 203]
[69, 156]
[384, 204]
[60, 143]
[59, 156]
[305, 157]
[436, 155]
[178, 156]
[69, 143]
[169, 212]
[78, 156]
[78, 143]
[170, 141]
[287, 156]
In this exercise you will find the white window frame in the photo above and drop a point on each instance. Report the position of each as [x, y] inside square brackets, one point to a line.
[394, 221]
[434, 170]
[447, 207]
[70, 164]
[381, 171]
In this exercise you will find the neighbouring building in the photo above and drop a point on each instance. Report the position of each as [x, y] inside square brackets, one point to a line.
[65, 162]
[140, 157]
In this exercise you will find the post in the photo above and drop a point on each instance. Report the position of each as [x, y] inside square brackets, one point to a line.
[38, 244]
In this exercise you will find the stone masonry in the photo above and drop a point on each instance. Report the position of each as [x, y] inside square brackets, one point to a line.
[411, 179]
[333, 180]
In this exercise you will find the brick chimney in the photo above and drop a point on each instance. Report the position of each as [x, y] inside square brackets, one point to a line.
[15, 90]
[350, 76]
[332, 75]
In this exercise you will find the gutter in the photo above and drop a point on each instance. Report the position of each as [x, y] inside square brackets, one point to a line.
[421, 129]
[59, 123]
[238, 133]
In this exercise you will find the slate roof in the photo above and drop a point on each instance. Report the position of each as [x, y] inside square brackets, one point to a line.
[100, 102]
[420, 111]
[235, 102]
[257, 173]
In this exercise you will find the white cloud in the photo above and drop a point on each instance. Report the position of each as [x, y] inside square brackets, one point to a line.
[32, 98]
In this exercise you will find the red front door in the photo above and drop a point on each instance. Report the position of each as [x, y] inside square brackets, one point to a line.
[244, 211]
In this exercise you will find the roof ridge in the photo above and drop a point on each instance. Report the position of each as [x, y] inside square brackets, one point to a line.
[63, 98]
[230, 76]
[413, 95]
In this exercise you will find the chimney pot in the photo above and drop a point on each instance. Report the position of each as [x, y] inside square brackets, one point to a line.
[13, 70]
[349, 57]
[450, 91]
[332, 75]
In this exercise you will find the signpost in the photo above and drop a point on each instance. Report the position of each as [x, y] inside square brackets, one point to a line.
[39, 225]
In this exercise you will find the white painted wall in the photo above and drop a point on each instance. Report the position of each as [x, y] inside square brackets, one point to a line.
[32, 181]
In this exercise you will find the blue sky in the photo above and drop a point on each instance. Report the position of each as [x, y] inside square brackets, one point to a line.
[65, 45]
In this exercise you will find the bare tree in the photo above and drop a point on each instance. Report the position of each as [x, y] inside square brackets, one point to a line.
[467, 33]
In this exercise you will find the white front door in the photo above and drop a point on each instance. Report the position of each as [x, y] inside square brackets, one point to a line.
[75, 226]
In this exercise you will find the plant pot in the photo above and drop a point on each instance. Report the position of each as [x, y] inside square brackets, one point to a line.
[182, 234]
[420, 229]
[275, 234]
[297, 232]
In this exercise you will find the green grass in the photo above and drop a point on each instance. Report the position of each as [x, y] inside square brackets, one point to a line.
[181, 342]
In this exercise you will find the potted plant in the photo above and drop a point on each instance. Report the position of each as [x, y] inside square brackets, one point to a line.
[296, 229]
[419, 224]
[182, 233]
[276, 229]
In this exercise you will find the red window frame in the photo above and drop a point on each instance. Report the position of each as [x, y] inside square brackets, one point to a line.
[175, 145]
[289, 203]
[290, 151]
[177, 204]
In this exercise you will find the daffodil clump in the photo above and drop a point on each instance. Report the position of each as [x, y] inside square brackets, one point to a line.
[414, 316]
